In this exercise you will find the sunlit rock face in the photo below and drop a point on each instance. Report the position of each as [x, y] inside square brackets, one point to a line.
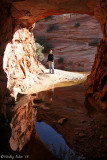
[73, 37]
[22, 14]
[20, 63]
[22, 125]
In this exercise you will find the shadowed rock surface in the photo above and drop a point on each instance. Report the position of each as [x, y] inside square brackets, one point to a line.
[86, 126]
[22, 14]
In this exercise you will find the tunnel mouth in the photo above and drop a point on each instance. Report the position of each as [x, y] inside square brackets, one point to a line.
[74, 45]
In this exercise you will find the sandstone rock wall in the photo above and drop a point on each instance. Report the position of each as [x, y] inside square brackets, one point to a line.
[72, 44]
[96, 84]
[6, 29]
[20, 62]
[22, 125]
[19, 14]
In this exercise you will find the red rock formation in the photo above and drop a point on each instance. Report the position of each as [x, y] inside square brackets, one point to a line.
[22, 125]
[96, 83]
[5, 36]
[71, 43]
[23, 13]
[20, 63]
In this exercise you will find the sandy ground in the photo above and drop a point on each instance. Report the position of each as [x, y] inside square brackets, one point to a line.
[46, 80]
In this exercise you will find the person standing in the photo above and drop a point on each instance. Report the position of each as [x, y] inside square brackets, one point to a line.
[50, 61]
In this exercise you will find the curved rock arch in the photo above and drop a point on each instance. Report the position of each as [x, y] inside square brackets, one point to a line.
[16, 14]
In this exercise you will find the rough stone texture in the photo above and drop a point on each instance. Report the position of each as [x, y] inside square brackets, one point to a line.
[16, 14]
[5, 36]
[62, 120]
[20, 63]
[22, 125]
[96, 83]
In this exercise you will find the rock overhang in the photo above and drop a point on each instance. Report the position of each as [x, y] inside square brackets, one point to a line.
[23, 13]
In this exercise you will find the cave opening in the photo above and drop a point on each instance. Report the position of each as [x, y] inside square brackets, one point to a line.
[22, 14]
[73, 37]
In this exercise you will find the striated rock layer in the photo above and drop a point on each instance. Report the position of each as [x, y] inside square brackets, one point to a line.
[72, 44]
[19, 14]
